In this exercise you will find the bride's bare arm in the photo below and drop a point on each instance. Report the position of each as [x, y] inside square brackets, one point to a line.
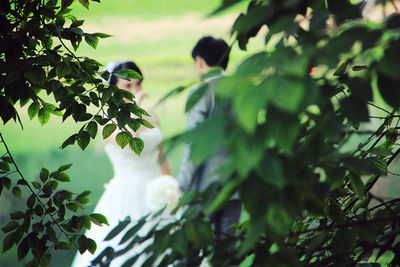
[162, 157]
[164, 164]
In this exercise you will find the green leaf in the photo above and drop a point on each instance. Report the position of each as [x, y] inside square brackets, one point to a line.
[43, 116]
[380, 151]
[180, 242]
[132, 231]
[223, 196]
[127, 74]
[256, 229]
[44, 175]
[10, 226]
[85, 221]
[38, 210]
[7, 159]
[62, 177]
[91, 245]
[36, 75]
[191, 232]
[76, 23]
[379, 165]
[69, 141]
[130, 261]
[344, 241]
[108, 130]
[279, 218]
[136, 144]
[355, 109]
[173, 92]
[284, 92]
[17, 192]
[66, 3]
[271, 171]
[195, 96]
[389, 89]
[283, 127]
[91, 40]
[145, 123]
[92, 129]
[133, 124]
[33, 110]
[4, 166]
[105, 75]
[224, 5]
[83, 194]
[76, 30]
[118, 229]
[6, 182]
[359, 68]
[36, 185]
[63, 69]
[342, 69]
[72, 206]
[357, 185]
[101, 35]
[83, 139]
[84, 3]
[123, 139]
[52, 109]
[64, 167]
[45, 260]
[10, 241]
[98, 219]
[82, 244]
[31, 201]
[63, 245]
[17, 215]
[23, 249]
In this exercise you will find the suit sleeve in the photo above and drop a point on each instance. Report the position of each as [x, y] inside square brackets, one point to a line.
[199, 112]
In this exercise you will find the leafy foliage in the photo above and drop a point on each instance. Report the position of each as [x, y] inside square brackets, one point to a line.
[35, 229]
[37, 44]
[308, 200]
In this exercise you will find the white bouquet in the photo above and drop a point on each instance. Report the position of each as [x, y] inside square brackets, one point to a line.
[163, 191]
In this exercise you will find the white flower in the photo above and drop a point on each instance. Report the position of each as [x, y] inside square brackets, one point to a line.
[163, 191]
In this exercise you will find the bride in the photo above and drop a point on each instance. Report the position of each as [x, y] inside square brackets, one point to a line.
[125, 194]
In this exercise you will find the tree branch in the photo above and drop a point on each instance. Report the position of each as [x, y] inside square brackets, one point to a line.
[30, 188]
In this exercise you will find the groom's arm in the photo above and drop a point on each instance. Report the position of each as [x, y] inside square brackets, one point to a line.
[186, 170]
[199, 112]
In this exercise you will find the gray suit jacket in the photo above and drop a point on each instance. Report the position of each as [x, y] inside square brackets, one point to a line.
[191, 177]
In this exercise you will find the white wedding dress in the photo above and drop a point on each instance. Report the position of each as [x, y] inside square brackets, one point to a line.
[124, 195]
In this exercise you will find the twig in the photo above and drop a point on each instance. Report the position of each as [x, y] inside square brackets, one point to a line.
[346, 225]
[372, 104]
[374, 180]
[384, 204]
[30, 188]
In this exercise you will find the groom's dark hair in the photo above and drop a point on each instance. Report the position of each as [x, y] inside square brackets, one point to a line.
[215, 52]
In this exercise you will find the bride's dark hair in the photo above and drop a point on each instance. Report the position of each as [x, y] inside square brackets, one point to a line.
[125, 65]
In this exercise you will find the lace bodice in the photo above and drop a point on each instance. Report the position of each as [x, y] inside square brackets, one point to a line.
[126, 161]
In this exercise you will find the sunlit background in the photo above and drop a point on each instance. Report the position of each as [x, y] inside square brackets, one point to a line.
[159, 36]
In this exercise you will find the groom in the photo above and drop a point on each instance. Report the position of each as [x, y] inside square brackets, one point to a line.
[211, 58]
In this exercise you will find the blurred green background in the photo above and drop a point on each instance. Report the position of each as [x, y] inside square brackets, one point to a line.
[158, 36]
